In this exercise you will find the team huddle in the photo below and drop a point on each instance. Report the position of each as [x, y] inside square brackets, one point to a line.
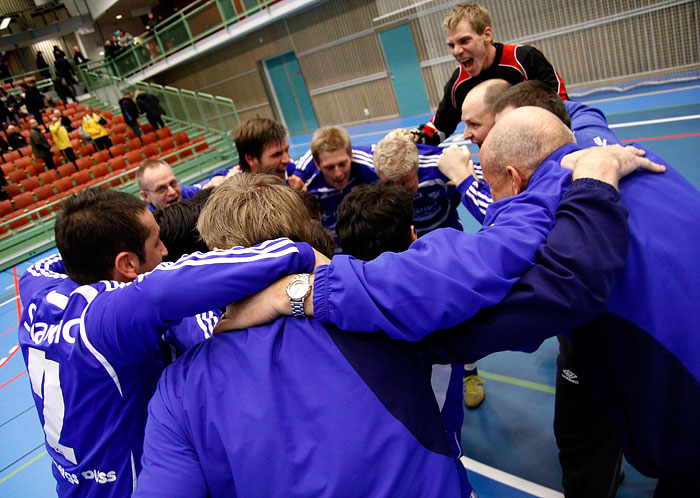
[272, 332]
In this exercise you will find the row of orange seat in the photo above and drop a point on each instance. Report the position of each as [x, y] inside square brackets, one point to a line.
[36, 193]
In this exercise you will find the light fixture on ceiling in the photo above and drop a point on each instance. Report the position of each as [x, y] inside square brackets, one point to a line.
[119, 16]
[5, 22]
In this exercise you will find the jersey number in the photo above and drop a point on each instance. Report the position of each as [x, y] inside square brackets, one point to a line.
[44, 373]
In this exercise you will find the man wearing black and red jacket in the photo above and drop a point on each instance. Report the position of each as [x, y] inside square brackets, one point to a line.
[470, 38]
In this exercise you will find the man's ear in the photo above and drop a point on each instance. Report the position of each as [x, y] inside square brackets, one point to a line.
[516, 180]
[126, 265]
[488, 33]
[252, 162]
[144, 196]
[413, 234]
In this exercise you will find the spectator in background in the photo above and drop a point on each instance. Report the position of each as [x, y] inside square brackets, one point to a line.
[150, 105]
[60, 135]
[93, 125]
[130, 112]
[5, 71]
[65, 120]
[40, 146]
[63, 89]
[152, 21]
[78, 56]
[109, 49]
[124, 39]
[15, 139]
[64, 69]
[34, 101]
[42, 66]
[9, 106]
[58, 53]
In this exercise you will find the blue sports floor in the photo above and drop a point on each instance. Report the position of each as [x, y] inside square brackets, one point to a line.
[508, 440]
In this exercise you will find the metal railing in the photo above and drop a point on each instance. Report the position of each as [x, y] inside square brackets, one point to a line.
[211, 112]
[185, 28]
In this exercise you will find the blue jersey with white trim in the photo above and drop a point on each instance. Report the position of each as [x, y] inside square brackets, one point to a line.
[361, 173]
[241, 415]
[91, 355]
[434, 204]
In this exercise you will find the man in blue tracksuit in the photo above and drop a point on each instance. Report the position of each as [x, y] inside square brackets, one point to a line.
[298, 408]
[589, 448]
[330, 170]
[644, 342]
[92, 322]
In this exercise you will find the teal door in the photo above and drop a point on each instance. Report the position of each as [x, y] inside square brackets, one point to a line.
[290, 93]
[404, 68]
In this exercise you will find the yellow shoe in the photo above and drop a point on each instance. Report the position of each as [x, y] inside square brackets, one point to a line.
[473, 391]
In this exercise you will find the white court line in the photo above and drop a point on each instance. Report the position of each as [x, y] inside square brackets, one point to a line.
[654, 121]
[10, 353]
[509, 479]
[623, 97]
[9, 301]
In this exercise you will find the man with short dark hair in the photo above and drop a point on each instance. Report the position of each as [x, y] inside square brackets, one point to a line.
[335, 384]
[130, 112]
[92, 321]
[375, 218]
[262, 147]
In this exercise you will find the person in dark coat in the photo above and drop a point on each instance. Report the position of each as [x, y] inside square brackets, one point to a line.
[42, 66]
[14, 138]
[63, 89]
[5, 71]
[40, 146]
[78, 56]
[64, 70]
[130, 112]
[34, 101]
[150, 105]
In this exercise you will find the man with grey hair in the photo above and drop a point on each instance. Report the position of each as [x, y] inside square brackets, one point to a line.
[159, 187]
[400, 161]
[40, 146]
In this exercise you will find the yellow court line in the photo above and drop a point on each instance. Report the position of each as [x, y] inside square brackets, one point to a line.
[23, 466]
[517, 382]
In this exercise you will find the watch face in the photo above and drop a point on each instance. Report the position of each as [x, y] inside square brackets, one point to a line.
[297, 289]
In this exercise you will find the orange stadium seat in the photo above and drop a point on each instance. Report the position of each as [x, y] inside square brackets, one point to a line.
[49, 176]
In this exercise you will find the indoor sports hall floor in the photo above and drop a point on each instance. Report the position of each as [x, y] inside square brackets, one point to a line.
[508, 440]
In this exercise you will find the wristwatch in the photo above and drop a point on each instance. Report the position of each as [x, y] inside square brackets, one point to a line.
[297, 290]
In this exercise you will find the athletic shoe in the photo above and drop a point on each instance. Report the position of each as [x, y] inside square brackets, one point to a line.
[473, 391]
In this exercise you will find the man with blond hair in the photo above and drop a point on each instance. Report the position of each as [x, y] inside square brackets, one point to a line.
[340, 395]
[331, 169]
[469, 34]
[398, 160]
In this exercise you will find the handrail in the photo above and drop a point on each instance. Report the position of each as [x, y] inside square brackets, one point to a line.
[183, 29]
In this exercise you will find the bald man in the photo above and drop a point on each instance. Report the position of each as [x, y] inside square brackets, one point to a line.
[645, 340]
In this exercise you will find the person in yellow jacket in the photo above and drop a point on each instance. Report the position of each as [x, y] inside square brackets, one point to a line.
[60, 136]
[93, 125]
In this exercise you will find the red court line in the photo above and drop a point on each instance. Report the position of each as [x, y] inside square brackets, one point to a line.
[660, 138]
[13, 379]
[10, 330]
